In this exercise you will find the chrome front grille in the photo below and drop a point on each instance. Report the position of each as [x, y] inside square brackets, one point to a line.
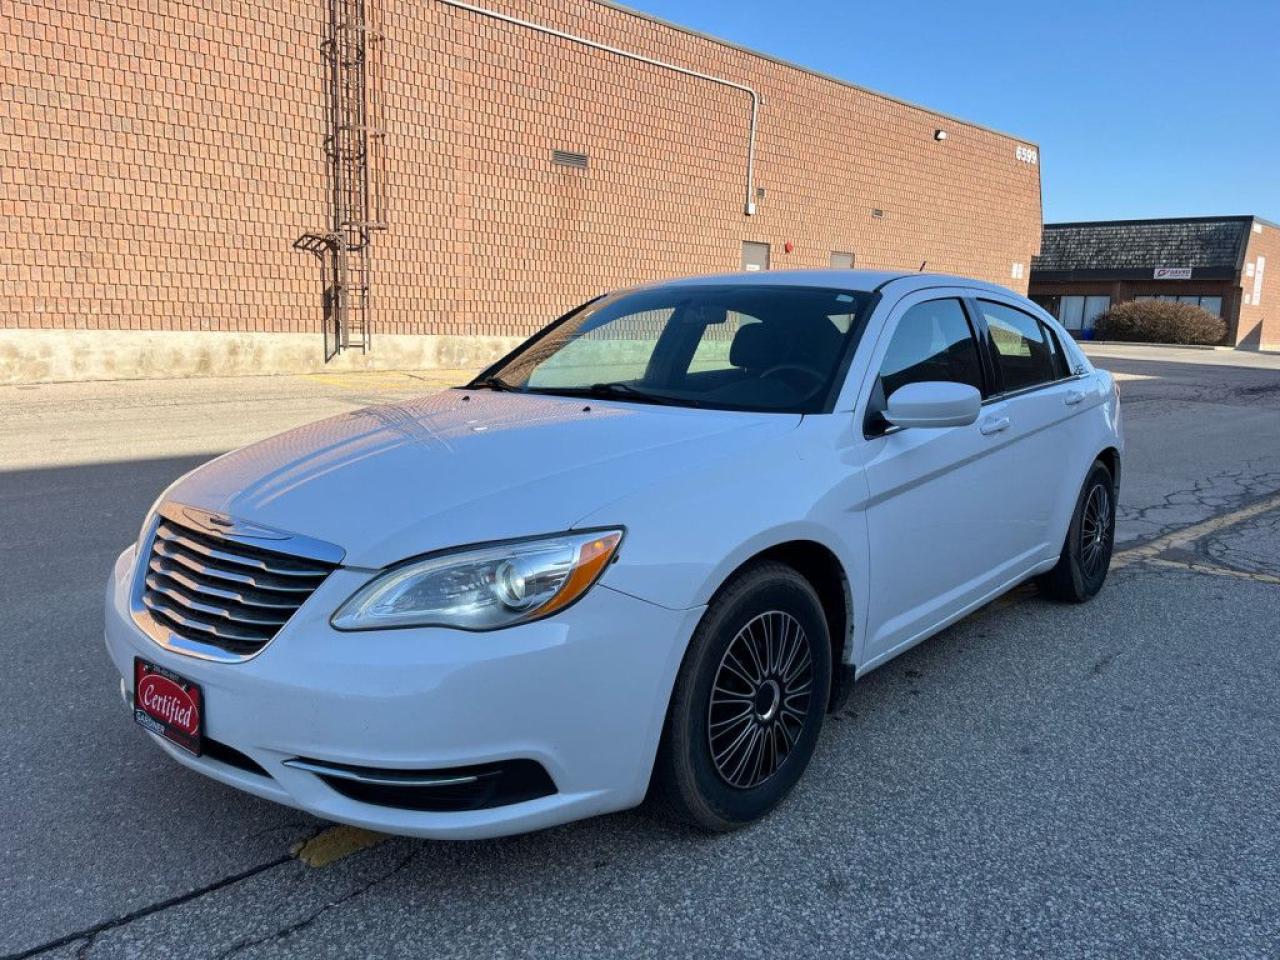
[219, 591]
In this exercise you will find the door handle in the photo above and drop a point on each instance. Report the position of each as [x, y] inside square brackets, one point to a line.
[1074, 397]
[993, 425]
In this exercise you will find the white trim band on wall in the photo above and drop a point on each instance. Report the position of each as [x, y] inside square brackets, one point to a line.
[551, 31]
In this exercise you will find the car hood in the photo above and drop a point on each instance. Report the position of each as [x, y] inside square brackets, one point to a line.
[396, 480]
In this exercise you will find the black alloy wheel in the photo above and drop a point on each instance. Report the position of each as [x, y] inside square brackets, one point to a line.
[759, 699]
[748, 703]
[1086, 554]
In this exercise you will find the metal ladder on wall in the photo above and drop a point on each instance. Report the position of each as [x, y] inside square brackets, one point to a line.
[354, 151]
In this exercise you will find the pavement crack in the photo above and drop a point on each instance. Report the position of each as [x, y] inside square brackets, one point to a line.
[1186, 537]
[289, 929]
[90, 934]
[1208, 496]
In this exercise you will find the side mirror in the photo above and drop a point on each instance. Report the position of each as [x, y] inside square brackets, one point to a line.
[934, 403]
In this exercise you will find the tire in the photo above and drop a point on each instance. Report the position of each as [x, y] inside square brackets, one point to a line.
[725, 762]
[1086, 555]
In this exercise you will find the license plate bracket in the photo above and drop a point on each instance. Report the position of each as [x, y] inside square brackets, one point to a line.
[168, 705]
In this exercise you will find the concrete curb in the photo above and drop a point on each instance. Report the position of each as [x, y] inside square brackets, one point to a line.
[1175, 346]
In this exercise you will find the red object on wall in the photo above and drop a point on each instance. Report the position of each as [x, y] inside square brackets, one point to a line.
[786, 247]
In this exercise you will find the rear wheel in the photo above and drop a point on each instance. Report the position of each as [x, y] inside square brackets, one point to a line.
[1086, 555]
[748, 702]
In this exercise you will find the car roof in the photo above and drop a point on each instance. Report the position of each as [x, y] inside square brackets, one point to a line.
[838, 278]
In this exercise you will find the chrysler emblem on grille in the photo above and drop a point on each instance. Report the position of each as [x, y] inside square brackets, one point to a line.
[227, 527]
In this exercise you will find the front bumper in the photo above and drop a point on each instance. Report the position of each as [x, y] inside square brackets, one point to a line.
[584, 694]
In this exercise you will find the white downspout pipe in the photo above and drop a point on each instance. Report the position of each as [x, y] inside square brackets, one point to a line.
[551, 31]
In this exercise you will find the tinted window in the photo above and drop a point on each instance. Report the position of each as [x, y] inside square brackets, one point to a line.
[933, 341]
[1027, 353]
[733, 346]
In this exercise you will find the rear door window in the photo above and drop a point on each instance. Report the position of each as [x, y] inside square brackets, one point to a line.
[1027, 353]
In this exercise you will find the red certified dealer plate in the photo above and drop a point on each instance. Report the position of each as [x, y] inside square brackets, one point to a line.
[168, 705]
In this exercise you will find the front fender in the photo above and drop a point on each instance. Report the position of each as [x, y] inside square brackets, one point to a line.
[686, 538]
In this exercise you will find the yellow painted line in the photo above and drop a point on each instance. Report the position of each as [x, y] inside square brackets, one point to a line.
[334, 844]
[1187, 535]
[1195, 566]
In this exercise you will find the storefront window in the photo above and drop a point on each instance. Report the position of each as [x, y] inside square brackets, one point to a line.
[1079, 313]
[1094, 307]
[1072, 313]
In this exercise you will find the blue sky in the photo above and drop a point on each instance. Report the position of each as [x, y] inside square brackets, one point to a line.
[1140, 109]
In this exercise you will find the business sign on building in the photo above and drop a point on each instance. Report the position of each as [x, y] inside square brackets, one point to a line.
[1173, 273]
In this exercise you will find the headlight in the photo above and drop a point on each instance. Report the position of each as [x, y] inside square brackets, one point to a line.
[483, 588]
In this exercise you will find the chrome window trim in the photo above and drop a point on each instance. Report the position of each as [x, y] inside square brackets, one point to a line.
[1013, 394]
[999, 398]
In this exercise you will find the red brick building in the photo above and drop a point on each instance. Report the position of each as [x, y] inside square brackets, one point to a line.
[1218, 263]
[199, 188]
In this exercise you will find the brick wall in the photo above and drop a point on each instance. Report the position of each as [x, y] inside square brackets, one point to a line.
[1259, 324]
[159, 158]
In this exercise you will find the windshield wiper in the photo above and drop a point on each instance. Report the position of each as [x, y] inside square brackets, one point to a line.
[627, 392]
[605, 391]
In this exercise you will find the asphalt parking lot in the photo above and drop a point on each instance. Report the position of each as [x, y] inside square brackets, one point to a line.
[1040, 780]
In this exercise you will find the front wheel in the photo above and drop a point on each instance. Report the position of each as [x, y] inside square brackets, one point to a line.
[1086, 555]
[748, 702]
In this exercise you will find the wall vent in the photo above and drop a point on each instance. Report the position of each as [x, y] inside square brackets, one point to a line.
[565, 158]
[877, 212]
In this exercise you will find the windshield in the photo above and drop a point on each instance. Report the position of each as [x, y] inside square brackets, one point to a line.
[728, 346]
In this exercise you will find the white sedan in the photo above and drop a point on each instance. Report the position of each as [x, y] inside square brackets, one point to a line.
[641, 556]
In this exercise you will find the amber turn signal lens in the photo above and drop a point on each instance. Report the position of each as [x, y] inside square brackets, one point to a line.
[593, 557]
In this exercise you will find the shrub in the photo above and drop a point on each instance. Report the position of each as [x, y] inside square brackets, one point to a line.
[1160, 321]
